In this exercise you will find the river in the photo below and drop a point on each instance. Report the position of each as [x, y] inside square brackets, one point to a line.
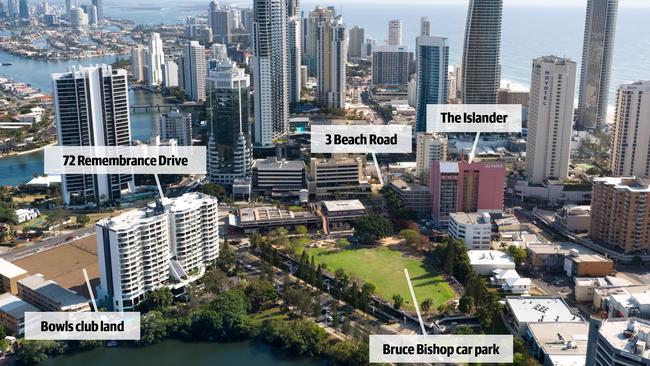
[20, 169]
[174, 353]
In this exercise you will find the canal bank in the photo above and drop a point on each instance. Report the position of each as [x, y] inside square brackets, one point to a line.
[174, 353]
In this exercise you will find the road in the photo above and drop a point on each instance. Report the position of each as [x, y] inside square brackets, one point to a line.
[46, 244]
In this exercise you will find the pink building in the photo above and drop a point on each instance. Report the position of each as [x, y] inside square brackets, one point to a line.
[459, 186]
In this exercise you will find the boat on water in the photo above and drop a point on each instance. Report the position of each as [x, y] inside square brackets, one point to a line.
[7, 64]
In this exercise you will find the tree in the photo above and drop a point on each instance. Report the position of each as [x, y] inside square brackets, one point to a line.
[300, 299]
[466, 304]
[56, 218]
[463, 330]
[518, 254]
[348, 353]
[300, 337]
[156, 300]
[261, 294]
[215, 190]
[397, 301]
[342, 243]
[227, 257]
[83, 220]
[372, 227]
[215, 280]
[33, 352]
[411, 236]
[426, 305]
[153, 329]
[301, 230]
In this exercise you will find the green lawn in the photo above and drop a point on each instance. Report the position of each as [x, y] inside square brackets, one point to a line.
[384, 268]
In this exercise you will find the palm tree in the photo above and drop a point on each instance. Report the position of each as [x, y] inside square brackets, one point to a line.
[426, 305]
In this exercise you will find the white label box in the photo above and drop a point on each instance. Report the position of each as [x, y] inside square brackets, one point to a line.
[361, 139]
[142, 159]
[460, 118]
[441, 348]
[66, 326]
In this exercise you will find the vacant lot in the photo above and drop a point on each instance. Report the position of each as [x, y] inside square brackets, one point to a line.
[384, 267]
[64, 264]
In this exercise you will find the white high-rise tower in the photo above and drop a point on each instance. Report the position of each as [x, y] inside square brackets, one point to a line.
[631, 144]
[395, 32]
[550, 118]
[156, 58]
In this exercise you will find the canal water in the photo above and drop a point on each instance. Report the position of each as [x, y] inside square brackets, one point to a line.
[20, 169]
[174, 353]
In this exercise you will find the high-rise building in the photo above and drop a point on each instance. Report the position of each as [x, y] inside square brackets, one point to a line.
[465, 187]
[631, 142]
[620, 214]
[270, 69]
[481, 70]
[155, 59]
[315, 18]
[170, 74]
[429, 147]
[550, 117]
[138, 63]
[597, 54]
[23, 9]
[618, 341]
[356, 43]
[68, 6]
[100, 8]
[432, 55]
[170, 242]
[219, 22]
[425, 26]
[294, 37]
[391, 65]
[395, 32]
[193, 71]
[176, 126]
[92, 109]
[332, 56]
[12, 9]
[219, 51]
[78, 19]
[293, 8]
[229, 145]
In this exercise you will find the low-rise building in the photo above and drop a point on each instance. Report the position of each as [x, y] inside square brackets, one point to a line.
[472, 228]
[510, 281]
[413, 196]
[520, 311]
[50, 296]
[585, 287]
[12, 313]
[26, 214]
[574, 218]
[587, 264]
[10, 274]
[484, 262]
[631, 302]
[338, 177]
[559, 344]
[279, 178]
[254, 218]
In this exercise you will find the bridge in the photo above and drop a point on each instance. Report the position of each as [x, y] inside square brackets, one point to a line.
[166, 107]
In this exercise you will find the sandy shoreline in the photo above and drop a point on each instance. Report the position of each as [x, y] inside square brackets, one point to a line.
[25, 152]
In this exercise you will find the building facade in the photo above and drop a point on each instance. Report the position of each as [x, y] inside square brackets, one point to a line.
[395, 32]
[475, 230]
[391, 65]
[220, 23]
[92, 109]
[270, 71]
[550, 117]
[155, 60]
[631, 142]
[429, 147]
[597, 54]
[193, 68]
[481, 68]
[168, 243]
[432, 57]
[356, 42]
[620, 215]
[331, 63]
[176, 125]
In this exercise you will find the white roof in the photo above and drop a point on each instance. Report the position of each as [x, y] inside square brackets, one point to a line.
[541, 309]
[489, 257]
[50, 179]
[10, 270]
[449, 167]
[505, 273]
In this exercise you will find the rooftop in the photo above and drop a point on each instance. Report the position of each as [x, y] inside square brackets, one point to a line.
[347, 205]
[471, 218]
[489, 257]
[566, 339]
[629, 335]
[631, 184]
[53, 291]
[562, 248]
[535, 309]
[273, 164]
[14, 306]
[408, 187]
[10, 270]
